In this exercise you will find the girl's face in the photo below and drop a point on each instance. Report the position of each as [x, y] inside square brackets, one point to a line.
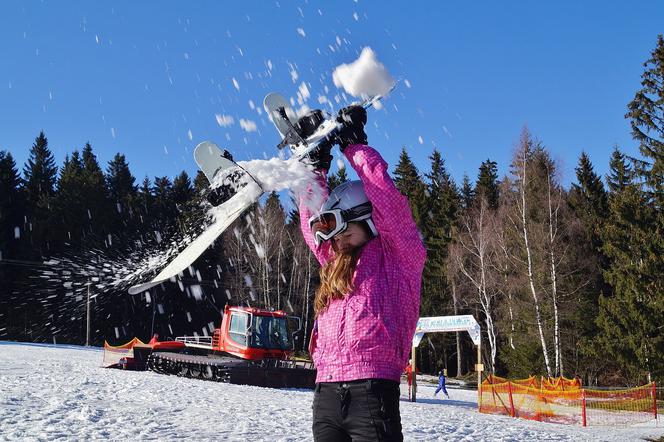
[353, 237]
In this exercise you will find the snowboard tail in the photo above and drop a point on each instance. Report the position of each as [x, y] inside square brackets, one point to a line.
[225, 176]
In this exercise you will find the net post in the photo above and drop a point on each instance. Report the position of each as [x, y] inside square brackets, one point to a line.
[509, 389]
[654, 399]
[583, 406]
[540, 399]
[479, 373]
[413, 397]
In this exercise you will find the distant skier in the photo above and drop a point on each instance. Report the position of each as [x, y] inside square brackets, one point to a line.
[409, 376]
[368, 301]
[441, 384]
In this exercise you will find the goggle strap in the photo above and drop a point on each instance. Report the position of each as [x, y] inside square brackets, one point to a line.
[357, 211]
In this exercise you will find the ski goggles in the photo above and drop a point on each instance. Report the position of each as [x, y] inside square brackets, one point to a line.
[329, 223]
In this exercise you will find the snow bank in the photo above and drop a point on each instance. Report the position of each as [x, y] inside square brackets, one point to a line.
[49, 392]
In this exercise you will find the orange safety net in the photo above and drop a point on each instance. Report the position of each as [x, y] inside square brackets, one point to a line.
[560, 384]
[113, 354]
[129, 344]
[562, 401]
[621, 406]
[553, 384]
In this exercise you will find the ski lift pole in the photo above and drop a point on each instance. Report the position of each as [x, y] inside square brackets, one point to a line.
[87, 328]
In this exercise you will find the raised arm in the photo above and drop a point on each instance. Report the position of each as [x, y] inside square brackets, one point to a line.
[308, 203]
[391, 212]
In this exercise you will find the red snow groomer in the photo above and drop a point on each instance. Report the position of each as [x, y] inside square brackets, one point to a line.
[252, 347]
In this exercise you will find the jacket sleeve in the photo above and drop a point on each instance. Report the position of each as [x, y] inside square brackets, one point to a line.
[390, 209]
[324, 252]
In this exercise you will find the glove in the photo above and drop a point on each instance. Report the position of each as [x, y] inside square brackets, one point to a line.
[353, 118]
[321, 158]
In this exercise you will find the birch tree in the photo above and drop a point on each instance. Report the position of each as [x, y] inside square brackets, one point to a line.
[520, 223]
[473, 255]
[554, 207]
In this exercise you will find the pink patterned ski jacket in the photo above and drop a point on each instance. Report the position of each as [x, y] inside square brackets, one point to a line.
[368, 334]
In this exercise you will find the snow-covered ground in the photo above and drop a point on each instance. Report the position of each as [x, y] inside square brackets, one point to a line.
[50, 393]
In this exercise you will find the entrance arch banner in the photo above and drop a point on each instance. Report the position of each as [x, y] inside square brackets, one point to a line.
[434, 324]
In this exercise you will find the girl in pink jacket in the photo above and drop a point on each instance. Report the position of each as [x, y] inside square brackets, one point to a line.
[368, 301]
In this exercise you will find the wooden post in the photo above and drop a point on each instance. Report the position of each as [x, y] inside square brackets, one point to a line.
[654, 399]
[509, 389]
[413, 366]
[583, 406]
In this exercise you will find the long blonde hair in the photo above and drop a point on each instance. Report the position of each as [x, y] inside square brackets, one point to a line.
[336, 279]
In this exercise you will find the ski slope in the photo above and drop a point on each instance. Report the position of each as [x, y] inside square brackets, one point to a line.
[60, 393]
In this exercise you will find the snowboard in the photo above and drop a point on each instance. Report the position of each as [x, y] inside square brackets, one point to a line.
[237, 191]
[283, 117]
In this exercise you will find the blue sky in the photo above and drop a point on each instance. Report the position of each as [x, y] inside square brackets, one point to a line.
[147, 78]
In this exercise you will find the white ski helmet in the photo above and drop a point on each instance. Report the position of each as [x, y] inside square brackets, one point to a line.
[346, 203]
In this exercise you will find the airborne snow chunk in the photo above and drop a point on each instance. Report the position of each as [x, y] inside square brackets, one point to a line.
[365, 77]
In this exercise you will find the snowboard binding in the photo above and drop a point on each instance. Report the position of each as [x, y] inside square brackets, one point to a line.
[304, 135]
[292, 136]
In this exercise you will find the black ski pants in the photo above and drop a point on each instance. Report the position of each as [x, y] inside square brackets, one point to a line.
[364, 410]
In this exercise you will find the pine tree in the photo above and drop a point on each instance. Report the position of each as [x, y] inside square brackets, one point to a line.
[201, 187]
[40, 172]
[634, 239]
[182, 190]
[201, 184]
[646, 115]
[294, 215]
[589, 200]
[467, 192]
[71, 207]
[11, 224]
[630, 318]
[620, 172]
[164, 210]
[146, 204]
[592, 198]
[94, 193]
[487, 183]
[407, 179]
[40, 175]
[334, 180]
[186, 203]
[443, 204]
[11, 216]
[119, 180]
[122, 193]
[274, 208]
[342, 176]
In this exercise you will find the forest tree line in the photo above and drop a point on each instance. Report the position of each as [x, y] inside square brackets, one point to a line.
[563, 280]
